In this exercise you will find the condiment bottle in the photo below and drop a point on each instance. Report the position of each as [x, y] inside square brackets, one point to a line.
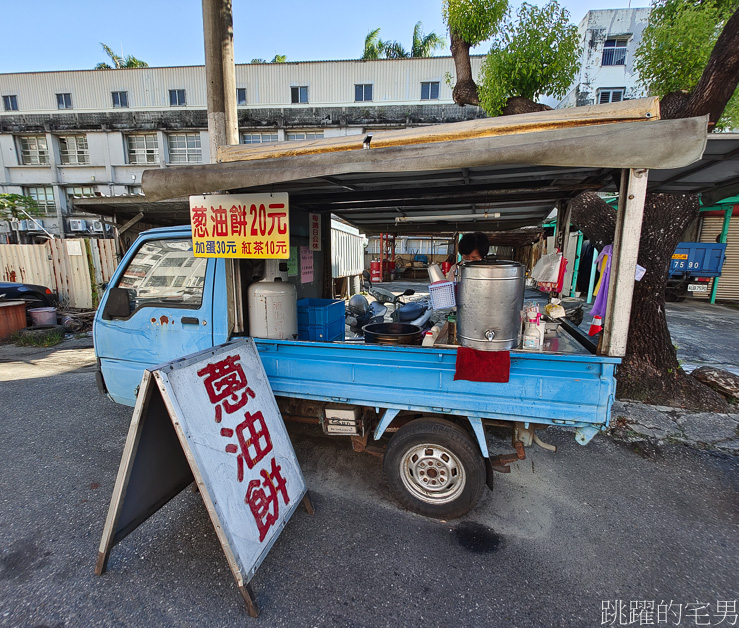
[452, 335]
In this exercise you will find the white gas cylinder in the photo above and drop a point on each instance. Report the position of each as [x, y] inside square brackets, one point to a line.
[273, 310]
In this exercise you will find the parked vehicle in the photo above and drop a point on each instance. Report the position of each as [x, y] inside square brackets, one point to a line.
[33, 295]
[411, 405]
[416, 312]
[360, 312]
[692, 267]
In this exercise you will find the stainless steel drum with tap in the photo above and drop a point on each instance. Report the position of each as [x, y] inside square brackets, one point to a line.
[489, 304]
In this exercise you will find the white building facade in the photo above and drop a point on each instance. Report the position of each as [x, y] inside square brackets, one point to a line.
[93, 132]
[608, 39]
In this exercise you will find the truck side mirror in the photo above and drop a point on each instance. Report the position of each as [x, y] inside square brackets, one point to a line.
[117, 305]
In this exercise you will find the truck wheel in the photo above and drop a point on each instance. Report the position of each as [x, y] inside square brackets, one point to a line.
[434, 468]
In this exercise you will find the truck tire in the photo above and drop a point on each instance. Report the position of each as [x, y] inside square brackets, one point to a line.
[434, 468]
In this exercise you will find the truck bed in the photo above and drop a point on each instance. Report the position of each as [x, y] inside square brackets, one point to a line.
[544, 388]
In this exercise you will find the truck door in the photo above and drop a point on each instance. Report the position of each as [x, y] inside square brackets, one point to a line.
[170, 295]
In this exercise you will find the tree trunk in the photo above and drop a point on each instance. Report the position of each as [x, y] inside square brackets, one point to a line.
[650, 370]
[719, 79]
[465, 90]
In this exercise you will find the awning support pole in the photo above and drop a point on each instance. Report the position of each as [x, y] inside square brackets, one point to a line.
[576, 265]
[623, 264]
[722, 240]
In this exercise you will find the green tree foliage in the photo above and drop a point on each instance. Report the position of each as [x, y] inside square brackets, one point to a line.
[129, 61]
[474, 21]
[534, 55]
[677, 44]
[17, 207]
[275, 59]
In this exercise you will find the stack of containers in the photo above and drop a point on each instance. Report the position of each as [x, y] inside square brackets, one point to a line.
[320, 319]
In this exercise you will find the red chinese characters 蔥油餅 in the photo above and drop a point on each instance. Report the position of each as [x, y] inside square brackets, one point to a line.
[227, 388]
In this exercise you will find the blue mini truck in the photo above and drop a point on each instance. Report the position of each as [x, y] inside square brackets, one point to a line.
[401, 403]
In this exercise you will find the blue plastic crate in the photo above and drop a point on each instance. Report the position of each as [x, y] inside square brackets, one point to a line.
[320, 319]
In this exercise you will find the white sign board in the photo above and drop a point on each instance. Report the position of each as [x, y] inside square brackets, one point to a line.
[234, 430]
[74, 247]
[235, 443]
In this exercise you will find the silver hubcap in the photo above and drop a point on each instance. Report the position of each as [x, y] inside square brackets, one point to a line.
[432, 473]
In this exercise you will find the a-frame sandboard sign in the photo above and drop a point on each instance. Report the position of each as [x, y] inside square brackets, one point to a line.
[210, 417]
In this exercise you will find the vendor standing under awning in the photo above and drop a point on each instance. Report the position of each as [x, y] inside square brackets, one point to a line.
[473, 247]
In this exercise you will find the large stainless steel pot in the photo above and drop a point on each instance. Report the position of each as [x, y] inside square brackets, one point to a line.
[489, 304]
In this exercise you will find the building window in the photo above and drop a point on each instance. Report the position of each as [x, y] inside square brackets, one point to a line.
[73, 150]
[143, 149]
[34, 151]
[10, 103]
[64, 101]
[614, 51]
[184, 148]
[258, 138]
[135, 189]
[362, 93]
[120, 99]
[241, 95]
[304, 135]
[82, 190]
[177, 98]
[430, 90]
[44, 197]
[610, 95]
[299, 95]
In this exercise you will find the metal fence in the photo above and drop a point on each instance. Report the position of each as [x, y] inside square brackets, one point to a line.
[75, 269]
[347, 250]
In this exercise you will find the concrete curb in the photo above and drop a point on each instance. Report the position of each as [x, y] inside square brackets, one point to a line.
[633, 422]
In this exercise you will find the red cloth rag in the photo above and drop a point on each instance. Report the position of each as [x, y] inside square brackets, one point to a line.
[483, 366]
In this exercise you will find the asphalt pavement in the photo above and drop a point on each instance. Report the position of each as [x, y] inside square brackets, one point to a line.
[562, 537]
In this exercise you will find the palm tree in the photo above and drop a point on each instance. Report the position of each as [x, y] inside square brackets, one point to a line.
[424, 46]
[374, 47]
[129, 61]
[395, 50]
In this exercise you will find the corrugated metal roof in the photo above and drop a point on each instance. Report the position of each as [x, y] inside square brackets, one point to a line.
[462, 171]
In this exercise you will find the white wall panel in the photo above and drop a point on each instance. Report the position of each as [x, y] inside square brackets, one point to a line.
[267, 85]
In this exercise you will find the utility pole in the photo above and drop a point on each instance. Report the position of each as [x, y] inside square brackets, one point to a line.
[220, 74]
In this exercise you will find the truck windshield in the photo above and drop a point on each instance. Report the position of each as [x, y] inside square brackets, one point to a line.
[165, 271]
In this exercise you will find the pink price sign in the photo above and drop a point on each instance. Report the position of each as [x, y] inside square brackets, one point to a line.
[241, 225]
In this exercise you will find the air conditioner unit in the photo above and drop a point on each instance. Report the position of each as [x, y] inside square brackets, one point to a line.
[97, 225]
[76, 224]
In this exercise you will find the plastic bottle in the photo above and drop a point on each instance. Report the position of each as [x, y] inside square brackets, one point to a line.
[431, 335]
[532, 334]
